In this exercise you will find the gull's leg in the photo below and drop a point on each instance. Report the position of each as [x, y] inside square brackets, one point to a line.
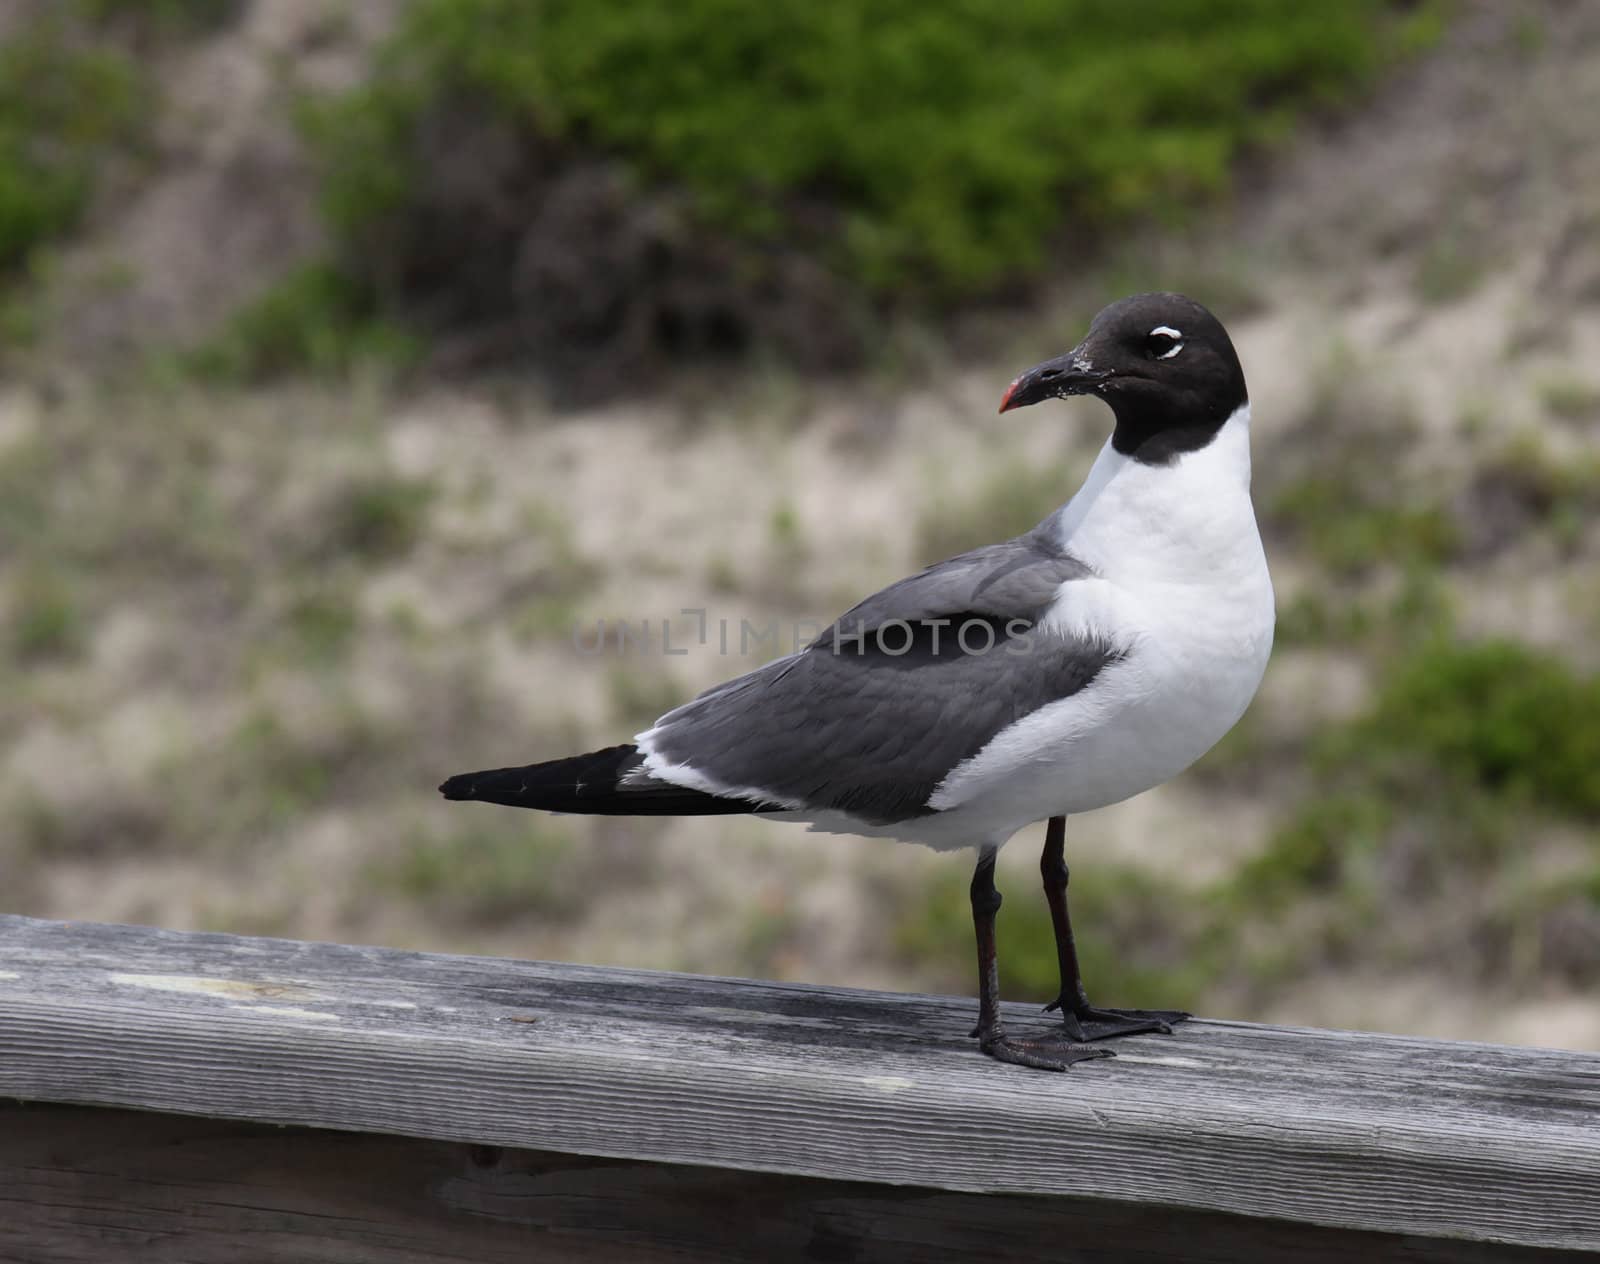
[1047, 1053]
[1079, 1019]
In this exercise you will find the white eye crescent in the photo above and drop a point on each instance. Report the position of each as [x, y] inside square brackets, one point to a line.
[1160, 336]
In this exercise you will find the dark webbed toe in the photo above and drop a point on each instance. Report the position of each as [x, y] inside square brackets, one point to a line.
[1091, 1022]
[1043, 1053]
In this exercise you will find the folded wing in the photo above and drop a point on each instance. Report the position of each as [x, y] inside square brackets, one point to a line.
[871, 717]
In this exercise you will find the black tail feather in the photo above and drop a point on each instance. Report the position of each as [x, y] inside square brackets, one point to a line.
[597, 783]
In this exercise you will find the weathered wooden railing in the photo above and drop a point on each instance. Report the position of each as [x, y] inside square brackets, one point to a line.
[489, 1110]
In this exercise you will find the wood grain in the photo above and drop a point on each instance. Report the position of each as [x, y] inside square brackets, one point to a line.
[80, 1185]
[1337, 1129]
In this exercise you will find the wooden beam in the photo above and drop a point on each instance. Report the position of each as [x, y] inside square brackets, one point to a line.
[82, 1186]
[1335, 1129]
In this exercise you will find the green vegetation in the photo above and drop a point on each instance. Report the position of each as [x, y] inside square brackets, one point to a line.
[1525, 484]
[76, 100]
[986, 123]
[64, 105]
[784, 526]
[24, 490]
[315, 319]
[114, 509]
[484, 875]
[278, 767]
[1349, 525]
[46, 620]
[181, 16]
[379, 517]
[725, 142]
[1314, 617]
[732, 141]
[1419, 812]
[787, 553]
[1390, 613]
[1528, 34]
[1570, 398]
[1497, 717]
[280, 774]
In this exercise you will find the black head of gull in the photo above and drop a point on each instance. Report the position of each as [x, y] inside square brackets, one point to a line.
[1165, 365]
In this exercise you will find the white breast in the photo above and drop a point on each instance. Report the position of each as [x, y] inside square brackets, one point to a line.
[1183, 592]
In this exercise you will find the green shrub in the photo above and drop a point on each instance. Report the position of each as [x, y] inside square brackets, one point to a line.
[1570, 398]
[379, 517]
[270, 774]
[1308, 853]
[947, 139]
[1351, 525]
[1505, 718]
[948, 136]
[76, 97]
[63, 105]
[650, 181]
[315, 319]
[288, 772]
[47, 621]
[1422, 812]
[179, 16]
[486, 875]
[1317, 618]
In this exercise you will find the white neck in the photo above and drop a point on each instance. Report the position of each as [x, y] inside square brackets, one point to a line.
[1180, 522]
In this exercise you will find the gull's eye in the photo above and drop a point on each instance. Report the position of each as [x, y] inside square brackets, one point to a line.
[1163, 342]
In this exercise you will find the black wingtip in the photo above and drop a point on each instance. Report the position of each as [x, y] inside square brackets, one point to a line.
[596, 783]
[461, 786]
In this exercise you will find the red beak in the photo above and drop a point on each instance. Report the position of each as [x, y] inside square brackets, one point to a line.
[1009, 400]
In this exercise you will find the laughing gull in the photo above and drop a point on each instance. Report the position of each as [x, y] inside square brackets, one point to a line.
[1083, 662]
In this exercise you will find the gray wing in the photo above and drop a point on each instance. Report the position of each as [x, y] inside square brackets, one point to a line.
[1014, 580]
[871, 716]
